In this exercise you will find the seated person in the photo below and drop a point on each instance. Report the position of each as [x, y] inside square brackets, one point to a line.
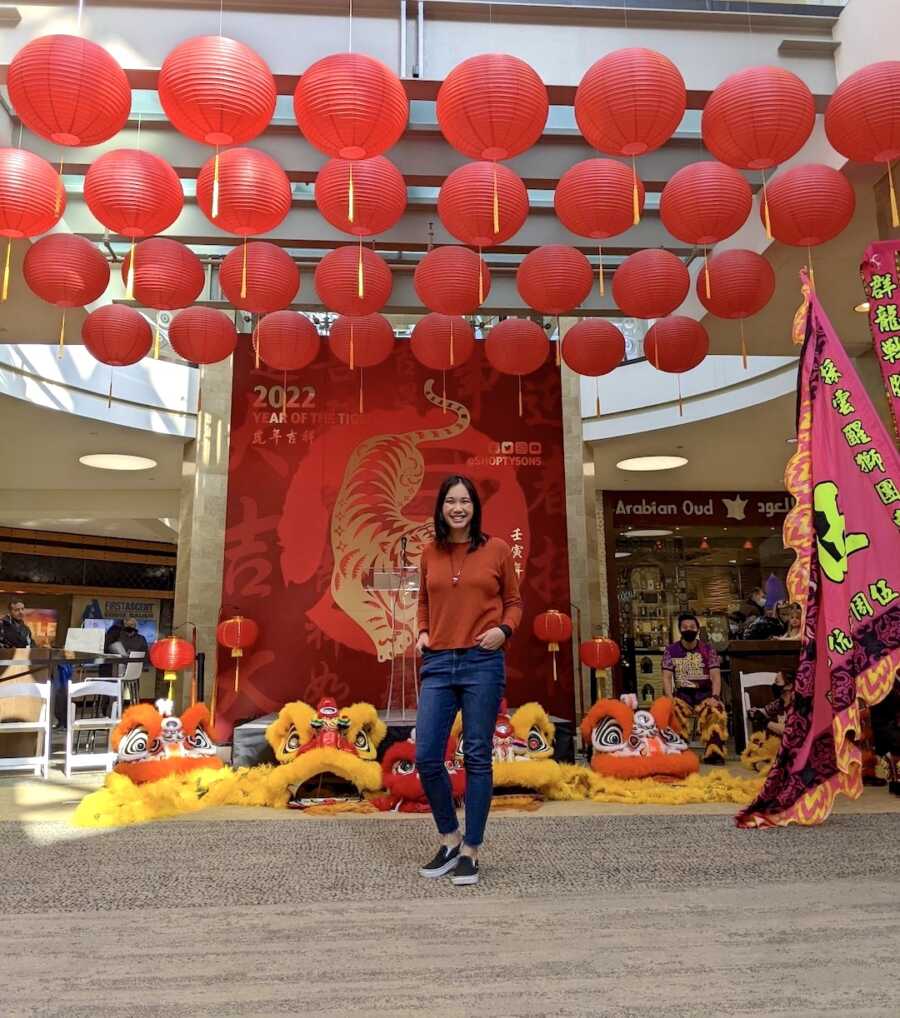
[768, 724]
[693, 678]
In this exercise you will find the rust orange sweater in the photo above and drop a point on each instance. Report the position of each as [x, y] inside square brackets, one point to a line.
[485, 595]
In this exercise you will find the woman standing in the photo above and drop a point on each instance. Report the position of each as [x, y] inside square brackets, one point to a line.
[469, 606]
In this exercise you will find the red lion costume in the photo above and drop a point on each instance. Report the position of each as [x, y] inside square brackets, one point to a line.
[400, 777]
[151, 743]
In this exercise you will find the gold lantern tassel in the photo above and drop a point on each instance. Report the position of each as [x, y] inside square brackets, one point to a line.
[244, 271]
[156, 339]
[706, 272]
[635, 196]
[172, 679]
[521, 412]
[680, 404]
[765, 199]
[451, 344]
[129, 275]
[257, 341]
[743, 346]
[215, 194]
[352, 351]
[5, 293]
[361, 404]
[558, 343]
[237, 654]
[109, 394]
[496, 204]
[59, 188]
[360, 285]
[62, 335]
[812, 271]
[895, 215]
[480, 278]
[212, 706]
[600, 271]
[554, 649]
[597, 392]
[350, 211]
[444, 383]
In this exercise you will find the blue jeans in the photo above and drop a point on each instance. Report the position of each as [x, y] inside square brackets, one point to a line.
[472, 680]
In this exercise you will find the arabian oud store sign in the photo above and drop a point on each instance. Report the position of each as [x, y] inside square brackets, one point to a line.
[695, 508]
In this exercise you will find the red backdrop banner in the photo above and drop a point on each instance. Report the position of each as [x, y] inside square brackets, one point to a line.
[321, 497]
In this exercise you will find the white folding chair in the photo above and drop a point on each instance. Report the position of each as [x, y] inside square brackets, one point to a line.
[39, 727]
[131, 678]
[747, 680]
[92, 697]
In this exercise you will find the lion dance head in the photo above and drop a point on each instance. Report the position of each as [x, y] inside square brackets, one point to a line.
[150, 742]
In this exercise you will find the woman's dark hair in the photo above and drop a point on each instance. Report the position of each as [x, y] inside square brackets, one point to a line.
[688, 617]
[441, 530]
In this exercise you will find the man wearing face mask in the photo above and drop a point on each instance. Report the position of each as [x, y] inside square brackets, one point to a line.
[755, 605]
[123, 638]
[692, 677]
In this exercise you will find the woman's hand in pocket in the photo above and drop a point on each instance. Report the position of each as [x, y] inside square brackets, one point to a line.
[422, 643]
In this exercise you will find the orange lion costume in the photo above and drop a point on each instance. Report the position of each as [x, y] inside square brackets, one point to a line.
[151, 742]
[632, 743]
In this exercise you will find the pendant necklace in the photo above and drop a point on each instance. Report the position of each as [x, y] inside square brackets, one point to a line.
[454, 576]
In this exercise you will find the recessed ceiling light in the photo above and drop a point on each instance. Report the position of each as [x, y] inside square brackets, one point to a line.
[116, 461]
[652, 463]
[732, 561]
[647, 533]
[623, 554]
[863, 308]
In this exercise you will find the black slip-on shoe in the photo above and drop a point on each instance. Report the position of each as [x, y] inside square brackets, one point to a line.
[446, 859]
[466, 871]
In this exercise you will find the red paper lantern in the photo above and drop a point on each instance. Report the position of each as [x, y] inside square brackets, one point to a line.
[553, 628]
[593, 347]
[171, 655]
[286, 341]
[69, 90]
[742, 283]
[203, 335]
[862, 119]
[371, 191]
[516, 346]
[676, 344]
[65, 270]
[167, 275]
[238, 634]
[452, 280]
[650, 284]
[492, 106]
[133, 193]
[594, 198]
[809, 205]
[600, 653]
[217, 90]
[117, 335]
[483, 204]
[30, 190]
[353, 281]
[758, 117]
[362, 341]
[630, 102]
[351, 106]
[254, 192]
[705, 202]
[554, 279]
[442, 342]
[271, 281]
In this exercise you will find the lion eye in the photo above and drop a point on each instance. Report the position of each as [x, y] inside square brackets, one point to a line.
[362, 741]
[607, 735]
[536, 741]
[136, 743]
[292, 742]
[404, 767]
[200, 740]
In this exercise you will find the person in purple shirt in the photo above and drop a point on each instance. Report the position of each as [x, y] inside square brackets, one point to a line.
[692, 677]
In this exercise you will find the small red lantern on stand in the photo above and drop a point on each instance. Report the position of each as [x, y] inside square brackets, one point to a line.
[553, 628]
[600, 653]
[171, 656]
[238, 634]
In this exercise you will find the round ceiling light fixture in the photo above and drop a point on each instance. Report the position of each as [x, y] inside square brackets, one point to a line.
[647, 533]
[623, 554]
[116, 461]
[644, 463]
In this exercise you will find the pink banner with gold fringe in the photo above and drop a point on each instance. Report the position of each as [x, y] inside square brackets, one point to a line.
[845, 530]
[880, 272]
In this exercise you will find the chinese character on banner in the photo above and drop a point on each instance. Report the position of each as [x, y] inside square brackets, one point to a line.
[846, 575]
[880, 271]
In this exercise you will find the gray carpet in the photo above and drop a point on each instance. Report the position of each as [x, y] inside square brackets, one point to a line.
[576, 916]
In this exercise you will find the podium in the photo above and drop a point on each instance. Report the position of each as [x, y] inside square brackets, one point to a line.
[401, 583]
